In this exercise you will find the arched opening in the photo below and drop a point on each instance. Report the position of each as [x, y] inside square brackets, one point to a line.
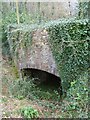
[44, 80]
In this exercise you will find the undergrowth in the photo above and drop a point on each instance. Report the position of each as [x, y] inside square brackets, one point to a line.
[77, 100]
[69, 41]
[75, 105]
[26, 88]
[29, 112]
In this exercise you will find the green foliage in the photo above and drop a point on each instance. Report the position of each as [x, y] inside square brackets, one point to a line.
[8, 18]
[83, 9]
[77, 97]
[18, 40]
[4, 99]
[29, 112]
[69, 43]
[11, 18]
[46, 93]
[22, 88]
[26, 88]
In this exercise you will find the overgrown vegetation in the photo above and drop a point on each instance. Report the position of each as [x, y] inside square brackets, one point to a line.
[83, 10]
[29, 112]
[26, 88]
[10, 17]
[22, 88]
[77, 97]
[69, 41]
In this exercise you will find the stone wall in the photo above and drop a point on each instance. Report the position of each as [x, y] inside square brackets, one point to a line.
[38, 55]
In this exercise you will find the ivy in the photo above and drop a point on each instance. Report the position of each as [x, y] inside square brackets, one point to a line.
[69, 44]
[68, 40]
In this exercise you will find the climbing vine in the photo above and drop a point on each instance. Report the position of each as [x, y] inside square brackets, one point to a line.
[69, 43]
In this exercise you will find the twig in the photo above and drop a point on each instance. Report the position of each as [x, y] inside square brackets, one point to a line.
[17, 12]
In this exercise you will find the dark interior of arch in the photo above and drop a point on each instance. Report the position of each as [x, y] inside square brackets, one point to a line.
[43, 78]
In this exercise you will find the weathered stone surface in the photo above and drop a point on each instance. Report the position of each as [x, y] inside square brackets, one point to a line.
[38, 55]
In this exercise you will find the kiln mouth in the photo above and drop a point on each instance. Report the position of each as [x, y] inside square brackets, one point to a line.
[43, 78]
